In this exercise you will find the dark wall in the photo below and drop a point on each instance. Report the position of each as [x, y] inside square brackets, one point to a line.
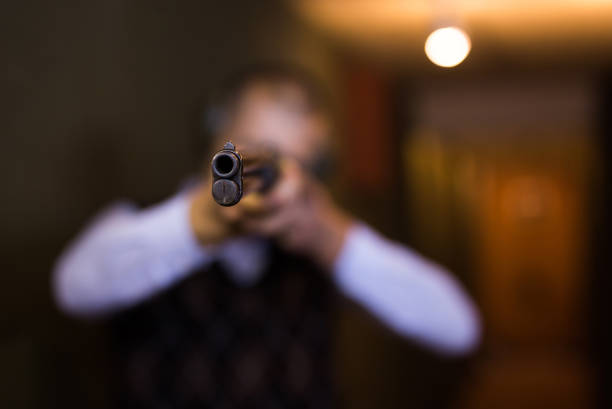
[601, 257]
[101, 100]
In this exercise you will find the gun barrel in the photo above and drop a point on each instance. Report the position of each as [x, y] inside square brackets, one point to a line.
[225, 164]
[235, 175]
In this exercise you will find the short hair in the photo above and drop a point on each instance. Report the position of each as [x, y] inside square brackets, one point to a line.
[225, 98]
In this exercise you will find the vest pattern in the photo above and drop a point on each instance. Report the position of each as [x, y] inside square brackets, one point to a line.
[208, 343]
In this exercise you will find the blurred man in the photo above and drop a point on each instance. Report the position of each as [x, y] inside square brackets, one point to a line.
[230, 307]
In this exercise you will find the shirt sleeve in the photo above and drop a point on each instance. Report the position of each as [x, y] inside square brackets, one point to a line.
[413, 296]
[125, 256]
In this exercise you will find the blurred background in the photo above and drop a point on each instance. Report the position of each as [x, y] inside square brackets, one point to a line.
[497, 168]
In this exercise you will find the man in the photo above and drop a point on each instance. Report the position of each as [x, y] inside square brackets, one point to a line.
[230, 307]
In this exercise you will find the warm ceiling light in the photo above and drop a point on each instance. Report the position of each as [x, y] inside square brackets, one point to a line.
[447, 46]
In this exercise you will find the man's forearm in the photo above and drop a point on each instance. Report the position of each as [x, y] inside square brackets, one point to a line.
[416, 298]
[125, 257]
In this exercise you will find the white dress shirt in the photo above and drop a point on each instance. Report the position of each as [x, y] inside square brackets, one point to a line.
[126, 255]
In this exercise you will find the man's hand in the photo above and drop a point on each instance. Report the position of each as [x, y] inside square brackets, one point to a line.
[206, 219]
[297, 212]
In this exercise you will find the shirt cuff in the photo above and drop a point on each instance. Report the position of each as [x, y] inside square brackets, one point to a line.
[348, 268]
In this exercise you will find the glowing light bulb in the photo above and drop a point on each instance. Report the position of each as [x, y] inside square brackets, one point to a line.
[448, 46]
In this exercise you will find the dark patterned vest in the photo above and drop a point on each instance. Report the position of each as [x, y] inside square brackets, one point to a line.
[208, 343]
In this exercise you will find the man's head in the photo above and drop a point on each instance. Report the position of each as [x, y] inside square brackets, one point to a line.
[277, 106]
[283, 108]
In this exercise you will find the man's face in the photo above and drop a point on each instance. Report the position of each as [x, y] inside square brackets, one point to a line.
[277, 116]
